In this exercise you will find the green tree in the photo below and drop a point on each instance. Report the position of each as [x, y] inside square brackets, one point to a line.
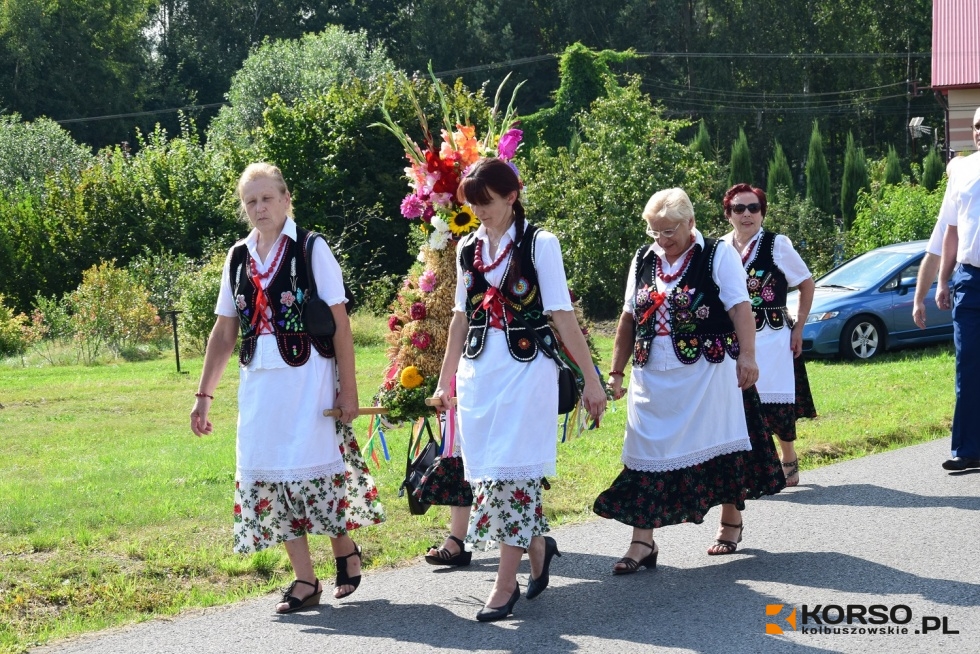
[855, 179]
[817, 174]
[893, 167]
[932, 170]
[295, 69]
[64, 60]
[702, 142]
[31, 151]
[624, 137]
[779, 181]
[740, 164]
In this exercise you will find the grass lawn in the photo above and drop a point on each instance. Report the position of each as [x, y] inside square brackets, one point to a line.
[113, 512]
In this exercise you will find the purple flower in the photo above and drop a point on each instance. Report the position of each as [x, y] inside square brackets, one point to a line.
[412, 206]
[508, 143]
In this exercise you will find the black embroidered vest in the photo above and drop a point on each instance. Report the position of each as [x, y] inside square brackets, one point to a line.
[520, 291]
[767, 285]
[286, 294]
[699, 323]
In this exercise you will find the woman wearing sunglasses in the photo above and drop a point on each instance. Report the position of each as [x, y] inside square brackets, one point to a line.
[773, 267]
[694, 432]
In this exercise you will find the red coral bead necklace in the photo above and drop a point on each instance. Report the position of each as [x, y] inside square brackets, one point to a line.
[478, 257]
[272, 266]
[666, 279]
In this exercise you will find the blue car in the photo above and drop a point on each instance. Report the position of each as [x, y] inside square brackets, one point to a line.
[864, 306]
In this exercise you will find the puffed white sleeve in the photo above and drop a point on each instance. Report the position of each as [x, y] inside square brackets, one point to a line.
[550, 270]
[630, 285]
[226, 303]
[327, 273]
[789, 261]
[729, 275]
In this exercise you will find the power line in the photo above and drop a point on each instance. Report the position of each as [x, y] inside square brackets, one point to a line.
[141, 113]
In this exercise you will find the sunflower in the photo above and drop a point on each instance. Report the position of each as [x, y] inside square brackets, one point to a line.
[463, 221]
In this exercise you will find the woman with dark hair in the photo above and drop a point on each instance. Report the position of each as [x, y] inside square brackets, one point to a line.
[773, 267]
[507, 390]
[694, 436]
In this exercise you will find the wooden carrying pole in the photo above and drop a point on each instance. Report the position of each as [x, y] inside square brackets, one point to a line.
[364, 411]
[431, 402]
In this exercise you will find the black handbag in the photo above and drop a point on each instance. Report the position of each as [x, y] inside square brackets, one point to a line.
[568, 390]
[415, 468]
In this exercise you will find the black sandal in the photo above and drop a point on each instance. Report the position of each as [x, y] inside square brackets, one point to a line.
[295, 603]
[727, 546]
[445, 557]
[632, 565]
[791, 470]
[342, 577]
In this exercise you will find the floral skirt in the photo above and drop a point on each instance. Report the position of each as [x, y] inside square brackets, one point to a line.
[648, 500]
[780, 419]
[267, 513]
[509, 512]
[443, 484]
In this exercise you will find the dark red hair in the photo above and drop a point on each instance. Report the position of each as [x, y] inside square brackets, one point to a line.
[744, 188]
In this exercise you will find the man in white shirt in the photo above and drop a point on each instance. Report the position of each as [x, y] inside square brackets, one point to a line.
[930, 262]
[961, 212]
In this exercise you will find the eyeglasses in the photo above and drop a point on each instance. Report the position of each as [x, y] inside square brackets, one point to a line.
[755, 207]
[657, 233]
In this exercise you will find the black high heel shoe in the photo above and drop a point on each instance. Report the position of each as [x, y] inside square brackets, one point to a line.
[492, 614]
[632, 565]
[343, 579]
[536, 586]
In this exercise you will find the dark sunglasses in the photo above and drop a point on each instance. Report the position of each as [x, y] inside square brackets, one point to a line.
[755, 207]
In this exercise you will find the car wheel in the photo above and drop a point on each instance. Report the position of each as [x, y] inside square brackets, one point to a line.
[862, 338]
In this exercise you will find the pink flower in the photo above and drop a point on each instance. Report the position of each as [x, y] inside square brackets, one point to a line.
[417, 311]
[508, 143]
[427, 281]
[394, 323]
[412, 206]
[421, 340]
[287, 298]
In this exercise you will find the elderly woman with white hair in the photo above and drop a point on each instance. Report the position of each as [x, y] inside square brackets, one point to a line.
[694, 432]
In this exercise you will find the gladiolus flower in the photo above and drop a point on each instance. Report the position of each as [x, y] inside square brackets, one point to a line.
[509, 143]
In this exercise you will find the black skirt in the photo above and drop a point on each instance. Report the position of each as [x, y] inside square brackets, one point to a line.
[648, 500]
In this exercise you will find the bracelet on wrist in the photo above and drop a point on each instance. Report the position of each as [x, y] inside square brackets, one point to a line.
[199, 394]
[616, 373]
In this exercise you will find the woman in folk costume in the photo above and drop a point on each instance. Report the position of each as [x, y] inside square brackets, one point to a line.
[507, 390]
[298, 472]
[773, 267]
[694, 435]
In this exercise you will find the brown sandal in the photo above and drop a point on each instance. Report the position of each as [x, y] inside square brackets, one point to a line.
[727, 546]
[632, 565]
[791, 469]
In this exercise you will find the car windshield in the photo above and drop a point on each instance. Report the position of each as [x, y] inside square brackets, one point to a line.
[865, 271]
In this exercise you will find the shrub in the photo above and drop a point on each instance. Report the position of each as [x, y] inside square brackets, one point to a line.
[378, 294]
[15, 330]
[932, 170]
[31, 151]
[813, 233]
[855, 179]
[817, 174]
[159, 274]
[779, 182]
[199, 287]
[893, 167]
[109, 310]
[740, 165]
[893, 214]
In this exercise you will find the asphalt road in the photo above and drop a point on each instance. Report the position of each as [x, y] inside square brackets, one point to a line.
[892, 530]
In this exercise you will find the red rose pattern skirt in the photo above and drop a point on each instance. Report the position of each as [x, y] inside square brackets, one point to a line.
[267, 513]
[509, 512]
[648, 500]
